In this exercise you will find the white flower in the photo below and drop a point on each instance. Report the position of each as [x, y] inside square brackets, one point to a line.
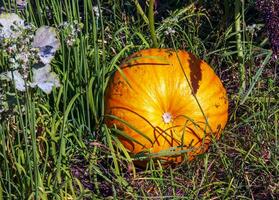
[96, 11]
[45, 79]
[10, 23]
[22, 57]
[46, 41]
[169, 31]
[24, 52]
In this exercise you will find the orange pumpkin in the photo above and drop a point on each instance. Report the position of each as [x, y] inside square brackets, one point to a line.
[169, 102]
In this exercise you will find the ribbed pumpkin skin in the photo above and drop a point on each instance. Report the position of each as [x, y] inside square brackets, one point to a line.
[152, 82]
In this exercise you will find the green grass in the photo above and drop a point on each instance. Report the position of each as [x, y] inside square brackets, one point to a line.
[57, 146]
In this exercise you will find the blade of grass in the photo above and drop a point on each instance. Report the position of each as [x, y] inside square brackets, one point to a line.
[141, 12]
[62, 152]
[240, 52]
[256, 77]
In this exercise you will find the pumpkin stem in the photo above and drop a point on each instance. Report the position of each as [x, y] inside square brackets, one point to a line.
[167, 117]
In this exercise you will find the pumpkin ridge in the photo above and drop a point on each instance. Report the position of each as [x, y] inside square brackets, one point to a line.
[149, 97]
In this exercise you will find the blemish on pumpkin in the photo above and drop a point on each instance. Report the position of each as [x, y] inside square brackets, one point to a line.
[195, 72]
[119, 82]
[224, 98]
[169, 50]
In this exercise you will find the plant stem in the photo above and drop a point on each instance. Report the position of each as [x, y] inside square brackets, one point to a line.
[240, 54]
[151, 23]
[141, 12]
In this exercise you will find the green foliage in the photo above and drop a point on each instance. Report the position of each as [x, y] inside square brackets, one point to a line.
[57, 146]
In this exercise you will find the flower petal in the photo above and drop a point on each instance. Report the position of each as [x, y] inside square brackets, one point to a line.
[46, 87]
[46, 40]
[8, 22]
[41, 74]
[45, 79]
